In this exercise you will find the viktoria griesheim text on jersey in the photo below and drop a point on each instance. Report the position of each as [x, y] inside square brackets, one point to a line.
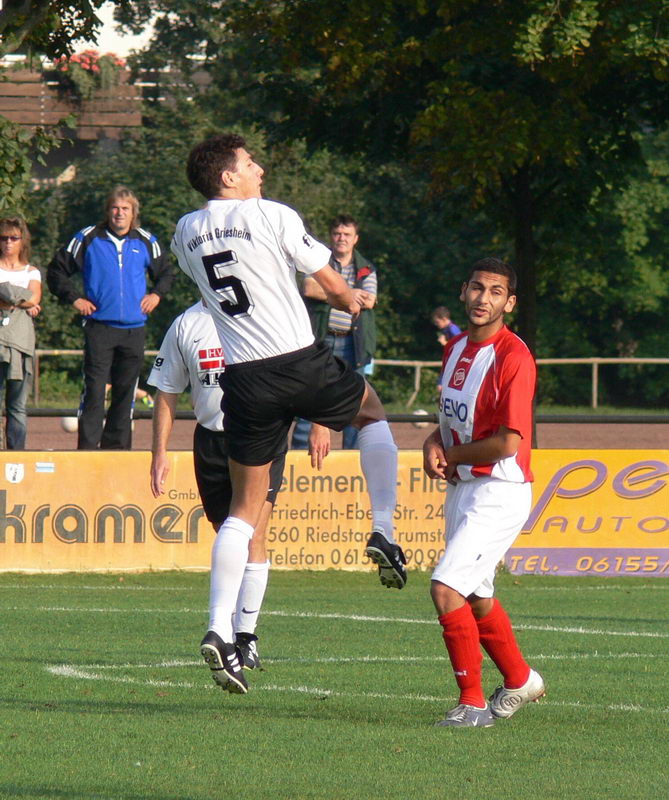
[218, 233]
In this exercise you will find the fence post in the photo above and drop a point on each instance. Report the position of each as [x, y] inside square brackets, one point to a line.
[416, 384]
[595, 384]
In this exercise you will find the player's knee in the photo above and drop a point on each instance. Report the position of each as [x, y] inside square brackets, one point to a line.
[481, 606]
[371, 409]
[445, 598]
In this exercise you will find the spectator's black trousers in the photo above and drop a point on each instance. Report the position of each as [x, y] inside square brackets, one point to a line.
[115, 356]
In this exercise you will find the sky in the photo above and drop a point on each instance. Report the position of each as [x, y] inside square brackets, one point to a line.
[111, 42]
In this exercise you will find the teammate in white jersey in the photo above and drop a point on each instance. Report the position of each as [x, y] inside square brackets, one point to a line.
[243, 252]
[191, 354]
[482, 448]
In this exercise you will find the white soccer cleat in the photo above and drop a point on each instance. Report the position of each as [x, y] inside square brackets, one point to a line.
[505, 702]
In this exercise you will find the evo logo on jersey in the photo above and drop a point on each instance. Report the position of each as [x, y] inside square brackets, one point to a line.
[211, 358]
[454, 409]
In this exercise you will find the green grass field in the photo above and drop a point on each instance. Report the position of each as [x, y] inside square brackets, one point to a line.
[104, 696]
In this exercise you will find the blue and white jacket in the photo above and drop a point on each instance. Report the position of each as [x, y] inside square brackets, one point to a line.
[113, 270]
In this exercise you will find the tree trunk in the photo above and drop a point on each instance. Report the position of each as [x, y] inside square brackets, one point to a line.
[523, 216]
[522, 208]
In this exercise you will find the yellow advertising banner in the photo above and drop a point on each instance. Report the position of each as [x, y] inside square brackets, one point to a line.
[594, 512]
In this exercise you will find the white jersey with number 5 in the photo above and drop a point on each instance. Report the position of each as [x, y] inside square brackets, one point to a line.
[243, 255]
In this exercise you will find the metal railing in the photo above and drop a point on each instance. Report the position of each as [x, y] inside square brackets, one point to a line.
[594, 363]
[417, 366]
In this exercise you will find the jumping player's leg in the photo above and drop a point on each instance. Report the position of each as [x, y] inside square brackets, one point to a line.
[229, 557]
[252, 593]
[254, 583]
[378, 460]
[256, 574]
[230, 553]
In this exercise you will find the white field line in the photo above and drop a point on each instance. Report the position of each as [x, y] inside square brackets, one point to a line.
[372, 660]
[66, 671]
[313, 615]
[121, 587]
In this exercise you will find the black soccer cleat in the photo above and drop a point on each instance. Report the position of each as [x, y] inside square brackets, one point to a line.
[246, 644]
[224, 662]
[389, 558]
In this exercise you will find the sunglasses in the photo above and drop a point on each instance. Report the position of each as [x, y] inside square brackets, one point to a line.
[10, 238]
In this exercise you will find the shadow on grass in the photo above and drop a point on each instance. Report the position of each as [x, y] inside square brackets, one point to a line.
[223, 708]
[95, 706]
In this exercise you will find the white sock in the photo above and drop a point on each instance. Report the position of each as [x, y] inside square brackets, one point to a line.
[228, 561]
[250, 598]
[378, 459]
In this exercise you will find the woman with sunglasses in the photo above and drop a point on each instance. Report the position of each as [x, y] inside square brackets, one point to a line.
[20, 295]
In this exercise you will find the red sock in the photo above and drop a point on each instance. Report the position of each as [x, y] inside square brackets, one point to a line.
[462, 642]
[496, 635]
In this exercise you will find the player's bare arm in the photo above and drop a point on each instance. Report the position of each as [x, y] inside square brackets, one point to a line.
[434, 456]
[337, 291]
[312, 290]
[164, 412]
[497, 447]
[319, 444]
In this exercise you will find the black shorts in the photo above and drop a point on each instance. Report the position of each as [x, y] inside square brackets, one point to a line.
[210, 456]
[261, 399]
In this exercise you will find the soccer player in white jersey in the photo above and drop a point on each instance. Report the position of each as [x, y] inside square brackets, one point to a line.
[191, 354]
[482, 448]
[243, 251]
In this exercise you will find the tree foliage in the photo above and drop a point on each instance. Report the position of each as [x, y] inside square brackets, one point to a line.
[47, 27]
[19, 148]
[36, 28]
[510, 101]
[452, 130]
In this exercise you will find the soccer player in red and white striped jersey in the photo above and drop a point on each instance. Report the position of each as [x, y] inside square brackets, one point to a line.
[482, 448]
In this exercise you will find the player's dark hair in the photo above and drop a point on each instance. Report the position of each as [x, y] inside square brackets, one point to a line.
[344, 219]
[497, 267]
[209, 159]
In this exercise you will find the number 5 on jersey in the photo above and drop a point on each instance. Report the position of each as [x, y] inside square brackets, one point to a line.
[236, 301]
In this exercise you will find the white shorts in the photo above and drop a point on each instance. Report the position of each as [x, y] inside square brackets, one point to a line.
[483, 517]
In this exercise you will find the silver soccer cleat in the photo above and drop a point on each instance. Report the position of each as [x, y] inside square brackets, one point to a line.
[464, 716]
[505, 702]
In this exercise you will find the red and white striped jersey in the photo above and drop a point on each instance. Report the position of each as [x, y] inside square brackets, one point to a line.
[191, 354]
[485, 385]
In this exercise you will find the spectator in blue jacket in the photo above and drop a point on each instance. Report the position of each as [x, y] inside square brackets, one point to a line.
[113, 259]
